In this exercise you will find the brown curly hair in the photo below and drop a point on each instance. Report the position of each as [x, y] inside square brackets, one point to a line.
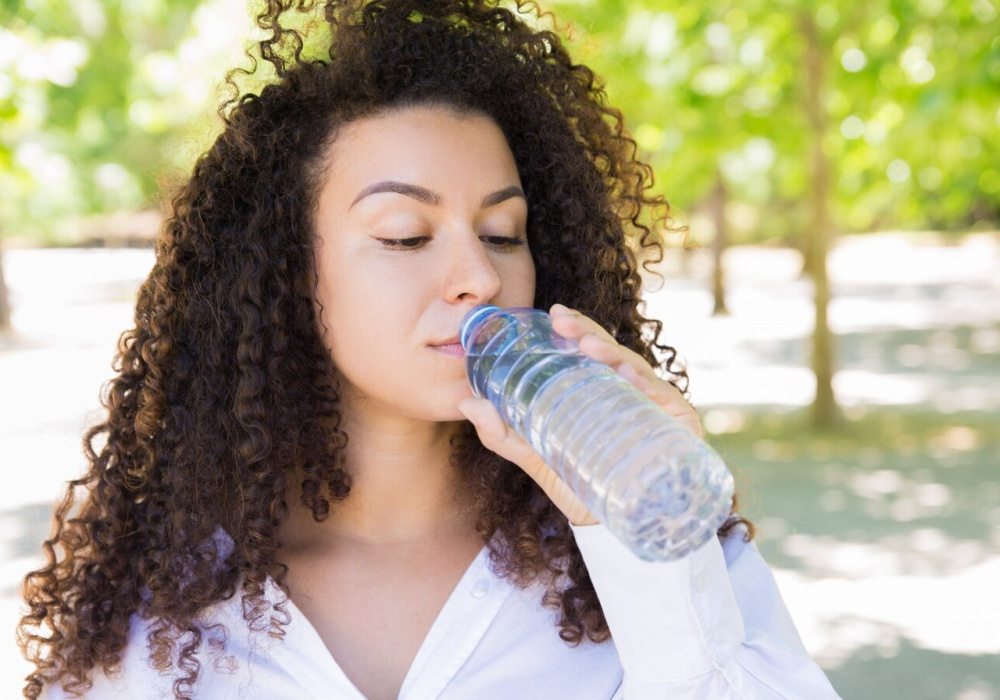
[224, 389]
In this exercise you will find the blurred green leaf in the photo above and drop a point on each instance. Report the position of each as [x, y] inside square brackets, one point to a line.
[105, 102]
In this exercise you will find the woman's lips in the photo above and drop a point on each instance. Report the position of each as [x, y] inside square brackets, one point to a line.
[453, 349]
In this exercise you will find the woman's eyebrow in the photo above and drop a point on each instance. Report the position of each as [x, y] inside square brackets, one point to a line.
[424, 195]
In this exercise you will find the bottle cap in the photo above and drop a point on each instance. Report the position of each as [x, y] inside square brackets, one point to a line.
[472, 319]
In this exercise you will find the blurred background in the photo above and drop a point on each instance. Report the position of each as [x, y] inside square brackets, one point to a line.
[836, 295]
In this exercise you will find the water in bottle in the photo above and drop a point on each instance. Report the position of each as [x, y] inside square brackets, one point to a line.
[660, 489]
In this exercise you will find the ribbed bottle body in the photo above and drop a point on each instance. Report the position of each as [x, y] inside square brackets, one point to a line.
[654, 484]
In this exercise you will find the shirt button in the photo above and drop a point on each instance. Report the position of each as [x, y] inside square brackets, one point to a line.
[480, 589]
[719, 638]
[701, 581]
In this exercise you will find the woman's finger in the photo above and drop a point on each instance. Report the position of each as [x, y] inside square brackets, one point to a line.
[666, 396]
[595, 342]
[575, 323]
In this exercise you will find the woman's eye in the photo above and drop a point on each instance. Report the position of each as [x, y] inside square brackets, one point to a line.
[496, 242]
[402, 243]
[504, 243]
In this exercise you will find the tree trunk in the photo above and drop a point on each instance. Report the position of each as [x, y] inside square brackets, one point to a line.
[4, 303]
[806, 247]
[718, 206]
[686, 253]
[825, 412]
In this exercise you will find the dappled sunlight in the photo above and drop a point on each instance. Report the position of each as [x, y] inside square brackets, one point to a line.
[868, 605]
[851, 315]
[868, 388]
[717, 421]
[977, 691]
[902, 259]
[59, 299]
[956, 438]
[752, 385]
[985, 341]
[939, 301]
[890, 494]
[923, 551]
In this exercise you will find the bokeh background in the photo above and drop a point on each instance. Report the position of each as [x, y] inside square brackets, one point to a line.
[836, 295]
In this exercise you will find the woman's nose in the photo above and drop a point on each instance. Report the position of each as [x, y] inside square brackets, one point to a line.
[471, 274]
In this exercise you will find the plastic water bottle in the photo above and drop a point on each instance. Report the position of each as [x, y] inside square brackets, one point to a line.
[654, 484]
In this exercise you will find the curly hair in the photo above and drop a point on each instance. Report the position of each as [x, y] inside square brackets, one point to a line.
[224, 391]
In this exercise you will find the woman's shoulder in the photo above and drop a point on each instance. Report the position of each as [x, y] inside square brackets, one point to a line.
[134, 676]
[233, 657]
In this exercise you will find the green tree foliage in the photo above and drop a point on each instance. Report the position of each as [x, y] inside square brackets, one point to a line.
[911, 98]
[103, 103]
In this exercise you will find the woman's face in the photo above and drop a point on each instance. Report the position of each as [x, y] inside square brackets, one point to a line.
[421, 217]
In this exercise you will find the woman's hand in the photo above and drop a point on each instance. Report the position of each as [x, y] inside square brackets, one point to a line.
[598, 344]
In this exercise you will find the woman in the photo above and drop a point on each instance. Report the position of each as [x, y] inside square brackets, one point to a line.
[298, 495]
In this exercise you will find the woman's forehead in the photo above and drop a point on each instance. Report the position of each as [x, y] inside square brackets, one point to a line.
[425, 153]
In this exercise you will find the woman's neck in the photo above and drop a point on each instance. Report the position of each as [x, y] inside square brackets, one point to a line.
[403, 488]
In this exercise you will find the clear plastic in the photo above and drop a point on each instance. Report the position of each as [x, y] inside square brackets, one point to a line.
[654, 484]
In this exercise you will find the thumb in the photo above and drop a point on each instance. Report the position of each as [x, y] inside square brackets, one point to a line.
[497, 436]
[484, 417]
[505, 441]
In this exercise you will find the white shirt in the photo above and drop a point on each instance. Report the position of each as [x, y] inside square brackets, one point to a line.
[709, 626]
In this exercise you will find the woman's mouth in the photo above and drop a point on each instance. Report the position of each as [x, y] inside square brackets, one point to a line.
[454, 349]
